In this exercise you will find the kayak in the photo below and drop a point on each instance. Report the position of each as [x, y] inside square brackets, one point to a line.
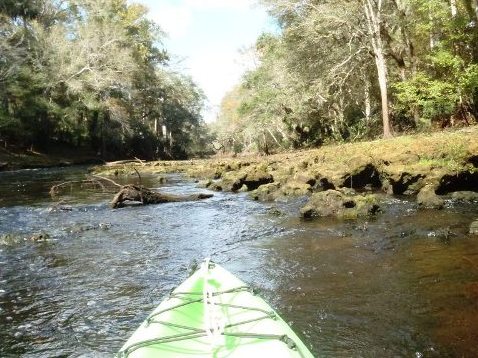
[213, 314]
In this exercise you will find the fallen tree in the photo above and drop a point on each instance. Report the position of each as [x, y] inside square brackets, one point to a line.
[145, 196]
[127, 194]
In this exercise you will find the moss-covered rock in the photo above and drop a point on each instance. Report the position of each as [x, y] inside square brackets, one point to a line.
[205, 183]
[427, 198]
[474, 227]
[401, 166]
[341, 205]
[465, 195]
[266, 192]
[405, 183]
[295, 188]
[361, 177]
[257, 176]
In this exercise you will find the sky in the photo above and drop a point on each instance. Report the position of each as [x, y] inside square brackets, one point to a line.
[206, 39]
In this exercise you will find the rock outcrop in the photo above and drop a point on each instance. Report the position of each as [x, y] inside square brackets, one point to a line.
[428, 199]
[341, 204]
[474, 227]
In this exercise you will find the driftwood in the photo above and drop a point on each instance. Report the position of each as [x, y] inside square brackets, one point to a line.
[93, 182]
[124, 162]
[145, 196]
[127, 193]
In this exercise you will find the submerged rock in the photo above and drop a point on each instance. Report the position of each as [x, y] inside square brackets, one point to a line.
[9, 239]
[40, 237]
[339, 204]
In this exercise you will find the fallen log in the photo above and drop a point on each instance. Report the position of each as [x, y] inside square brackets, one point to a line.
[145, 196]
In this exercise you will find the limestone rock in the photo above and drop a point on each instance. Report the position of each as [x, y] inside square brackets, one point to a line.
[427, 198]
[295, 188]
[474, 227]
[252, 178]
[205, 183]
[406, 183]
[267, 192]
[362, 176]
[465, 195]
[339, 204]
[257, 177]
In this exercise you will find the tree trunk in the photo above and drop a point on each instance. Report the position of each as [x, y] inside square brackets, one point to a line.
[156, 127]
[432, 34]
[367, 101]
[382, 80]
[373, 16]
[454, 10]
[274, 137]
[476, 9]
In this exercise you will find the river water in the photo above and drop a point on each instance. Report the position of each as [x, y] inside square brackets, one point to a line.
[403, 284]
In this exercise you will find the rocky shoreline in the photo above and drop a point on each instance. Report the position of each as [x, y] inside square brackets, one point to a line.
[347, 181]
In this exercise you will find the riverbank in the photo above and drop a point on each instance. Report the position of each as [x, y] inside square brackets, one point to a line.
[14, 159]
[428, 167]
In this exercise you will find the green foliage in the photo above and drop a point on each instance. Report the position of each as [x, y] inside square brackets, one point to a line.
[91, 74]
[317, 80]
[445, 88]
[429, 98]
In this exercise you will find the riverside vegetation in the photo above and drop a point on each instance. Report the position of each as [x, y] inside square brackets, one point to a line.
[348, 180]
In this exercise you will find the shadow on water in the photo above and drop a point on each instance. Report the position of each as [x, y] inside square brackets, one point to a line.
[405, 284]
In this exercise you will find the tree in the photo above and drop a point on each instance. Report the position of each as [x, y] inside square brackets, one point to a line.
[90, 74]
[374, 12]
[316, 81]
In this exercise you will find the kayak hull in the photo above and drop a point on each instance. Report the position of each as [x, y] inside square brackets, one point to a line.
[213, 314]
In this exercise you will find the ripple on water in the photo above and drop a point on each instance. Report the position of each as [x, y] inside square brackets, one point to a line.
[380, 287]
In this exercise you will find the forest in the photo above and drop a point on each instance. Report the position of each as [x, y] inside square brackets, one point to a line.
[93, 75]
[349, 70]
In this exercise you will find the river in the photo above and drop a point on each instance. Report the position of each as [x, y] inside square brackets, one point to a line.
[403, 284]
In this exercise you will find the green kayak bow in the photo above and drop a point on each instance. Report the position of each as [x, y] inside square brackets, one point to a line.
[213, 314]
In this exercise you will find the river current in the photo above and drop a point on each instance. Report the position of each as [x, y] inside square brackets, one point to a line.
[402, 284]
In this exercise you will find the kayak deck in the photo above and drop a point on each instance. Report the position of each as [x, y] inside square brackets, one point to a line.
[213, 314]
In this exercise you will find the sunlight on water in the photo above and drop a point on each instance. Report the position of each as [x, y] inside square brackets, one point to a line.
[405, 284]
